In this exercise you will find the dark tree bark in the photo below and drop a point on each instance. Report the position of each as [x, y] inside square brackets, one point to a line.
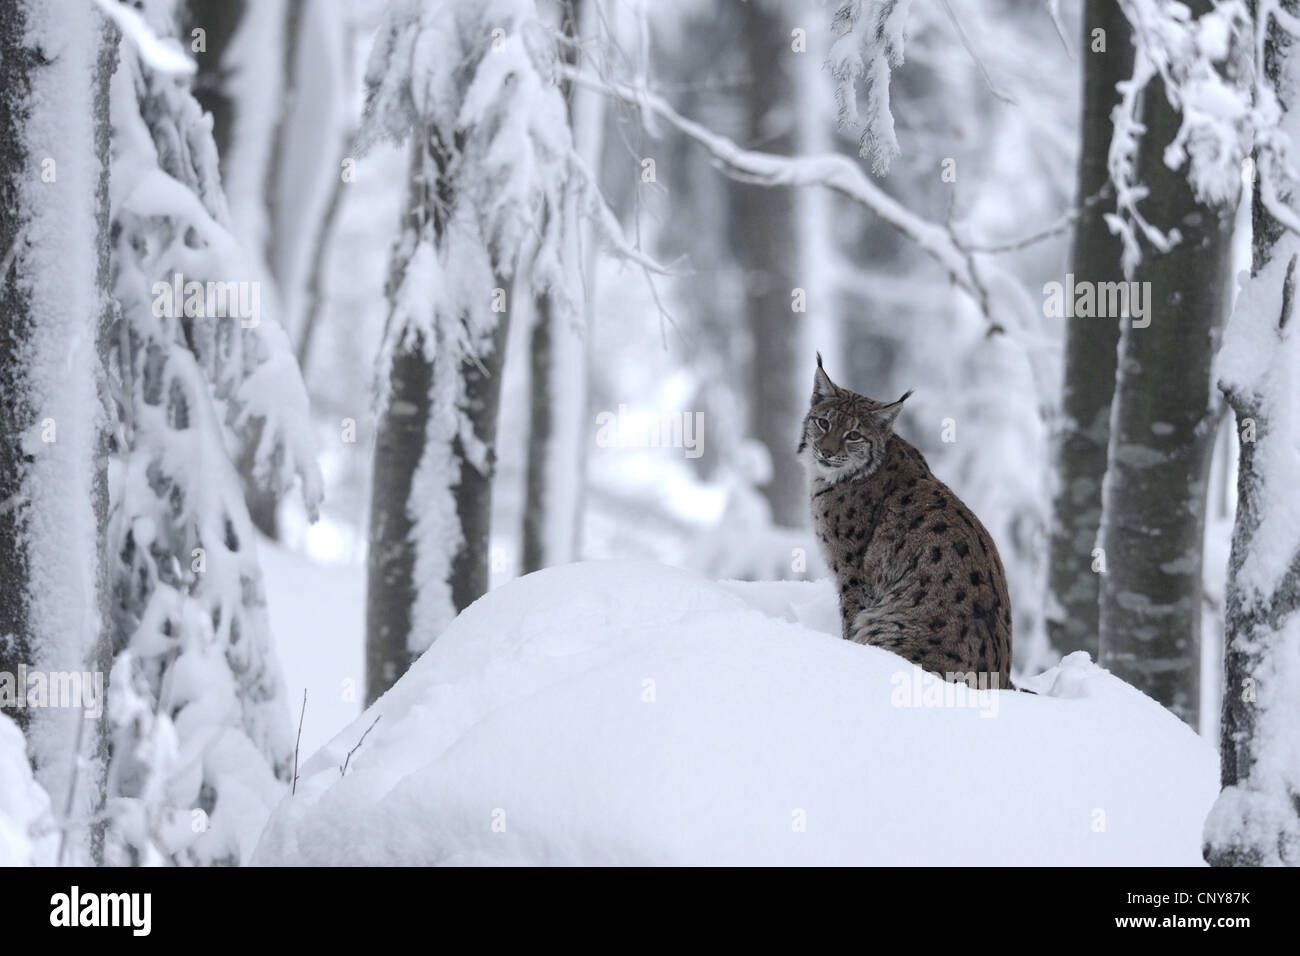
[1162, 436]
[766, 239]
[391, 589]
[1090, 348]
[17, 326]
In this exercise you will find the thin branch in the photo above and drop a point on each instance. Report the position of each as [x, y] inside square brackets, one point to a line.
[979, 65]
[995, 327]
[1288, 294]
[831, 171]
[344, 769]
[1054, 11]
[301, 714]
[1058, 227]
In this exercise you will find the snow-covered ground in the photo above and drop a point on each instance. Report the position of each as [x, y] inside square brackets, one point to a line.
[625, 712]
[26, 834]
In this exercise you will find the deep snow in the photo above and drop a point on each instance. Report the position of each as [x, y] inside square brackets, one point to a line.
[625, 712]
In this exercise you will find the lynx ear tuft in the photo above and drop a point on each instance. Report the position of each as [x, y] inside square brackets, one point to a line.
[823, 387]
[885, 416]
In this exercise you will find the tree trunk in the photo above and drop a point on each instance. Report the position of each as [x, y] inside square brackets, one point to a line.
[391, 589]
[102, 655]
[766, 239]
[1162, 436]
[1256, 820]
[421, 462]
[1090, 348]
[557, 382]
[53, 202]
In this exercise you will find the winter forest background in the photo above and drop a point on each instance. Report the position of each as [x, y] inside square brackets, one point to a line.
[322, 320]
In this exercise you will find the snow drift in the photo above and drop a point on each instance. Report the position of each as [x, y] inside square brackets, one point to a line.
[27, 835]
[627, 713]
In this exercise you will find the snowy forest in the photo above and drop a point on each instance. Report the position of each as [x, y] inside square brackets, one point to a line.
[401, 407]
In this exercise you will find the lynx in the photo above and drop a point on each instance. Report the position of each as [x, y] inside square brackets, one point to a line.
[917, 573]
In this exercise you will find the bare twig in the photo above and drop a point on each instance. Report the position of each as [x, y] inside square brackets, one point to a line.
[1288, 294]
[1058, 227]
[1054, 11]
[344, 769]
[995, 327]
[301, 714]
[979, 65]
[832, 171]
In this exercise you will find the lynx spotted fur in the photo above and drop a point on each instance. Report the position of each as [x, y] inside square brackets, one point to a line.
[917, 573]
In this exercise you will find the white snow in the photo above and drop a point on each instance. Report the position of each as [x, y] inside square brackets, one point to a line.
[624, 712]
[26, 834]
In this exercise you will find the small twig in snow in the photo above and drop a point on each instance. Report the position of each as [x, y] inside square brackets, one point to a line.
[301, 714]
[344, 769]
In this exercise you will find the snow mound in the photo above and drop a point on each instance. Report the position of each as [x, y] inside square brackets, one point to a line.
[27, 835]
[627, 713]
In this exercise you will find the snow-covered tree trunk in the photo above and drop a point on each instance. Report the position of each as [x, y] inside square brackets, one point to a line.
[766, 240]
[51, 236]
[435, 449]
[1090, 345]
[475, 88]
[1164, 413]
[557, 351]
[1256, 820]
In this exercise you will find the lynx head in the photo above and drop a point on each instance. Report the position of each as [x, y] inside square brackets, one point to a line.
[844, 433]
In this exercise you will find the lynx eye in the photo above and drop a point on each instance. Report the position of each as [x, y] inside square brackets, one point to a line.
[853, 436]
[822, 423]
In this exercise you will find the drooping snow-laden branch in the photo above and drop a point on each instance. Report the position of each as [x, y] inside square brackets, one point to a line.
[1203, 67]
[868, 44]
[837, 173]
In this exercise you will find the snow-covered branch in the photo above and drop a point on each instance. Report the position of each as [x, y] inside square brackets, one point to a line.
[1203, 69]
[831, 171]
[868, 44]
